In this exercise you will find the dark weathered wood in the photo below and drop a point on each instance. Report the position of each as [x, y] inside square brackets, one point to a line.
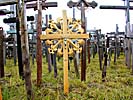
[44, 5]
[88, 48]
[76, 65]
[7, 2]
[81, 4]
[14, 19]
[129, 0]
[105, 60]
[1, 53]
[25, 53]
[132, 55]
[48, 55]
[5, 11]
[39, 46]
[128, 31]
[55, 65]
[115, 7]
[83, 55]
[19, 50]
[71, 4]
[30, 0]
[14, 52]
[99, 49]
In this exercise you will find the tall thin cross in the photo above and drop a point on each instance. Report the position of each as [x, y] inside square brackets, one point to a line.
[82, 4]
[40, 5]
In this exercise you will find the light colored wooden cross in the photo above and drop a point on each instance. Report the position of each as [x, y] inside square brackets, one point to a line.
[64, 37]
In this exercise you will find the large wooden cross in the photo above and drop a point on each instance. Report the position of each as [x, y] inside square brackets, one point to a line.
[82, 5]
[64, 37]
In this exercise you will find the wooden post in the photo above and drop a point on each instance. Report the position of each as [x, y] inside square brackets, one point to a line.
[83, 56]
[25, 52]
[48, 55]
[128, 32]
[75, 61]
[105, 60]
[99, 48]
[1, 53]
[132, 55]
[0, 93]
[39, 6]
[19, 50]
[39, 44]
[65, 54]
[82, 4]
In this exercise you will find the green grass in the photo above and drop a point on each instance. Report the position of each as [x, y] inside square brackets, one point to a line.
[118, 85]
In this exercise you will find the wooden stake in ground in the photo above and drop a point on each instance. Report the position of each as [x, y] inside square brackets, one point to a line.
[1, 53]
[0, 94]
[82, 5]
[41, 4]
[25, 52]
[39, 44]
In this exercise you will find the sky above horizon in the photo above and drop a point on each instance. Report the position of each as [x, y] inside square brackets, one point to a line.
[105, 20]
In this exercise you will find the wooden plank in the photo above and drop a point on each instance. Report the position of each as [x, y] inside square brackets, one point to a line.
[19, 50]
[44, 5]
[65, 54]
[25, 53]
[39, 45]
[1, 53]
[0, 93]
[61, 36]
[7, 2]
[83, 55]
[115, 7]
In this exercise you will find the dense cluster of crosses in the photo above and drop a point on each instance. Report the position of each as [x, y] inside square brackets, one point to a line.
[59, 36]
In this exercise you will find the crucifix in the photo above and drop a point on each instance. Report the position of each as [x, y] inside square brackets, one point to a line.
[83, 5]
[64, 37]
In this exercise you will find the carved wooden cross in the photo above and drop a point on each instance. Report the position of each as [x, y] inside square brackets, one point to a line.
[64, 37]
[83, 5]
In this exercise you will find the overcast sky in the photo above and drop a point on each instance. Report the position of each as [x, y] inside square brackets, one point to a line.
[96, 18]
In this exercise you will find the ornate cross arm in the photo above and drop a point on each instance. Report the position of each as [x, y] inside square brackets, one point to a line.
[92, 4]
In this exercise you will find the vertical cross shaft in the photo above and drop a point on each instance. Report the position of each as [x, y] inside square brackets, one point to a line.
[39, 44]
[82, 4]
[19, 50]
[25, 52]
[65, 55]
[1, 53]
[83, 56]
